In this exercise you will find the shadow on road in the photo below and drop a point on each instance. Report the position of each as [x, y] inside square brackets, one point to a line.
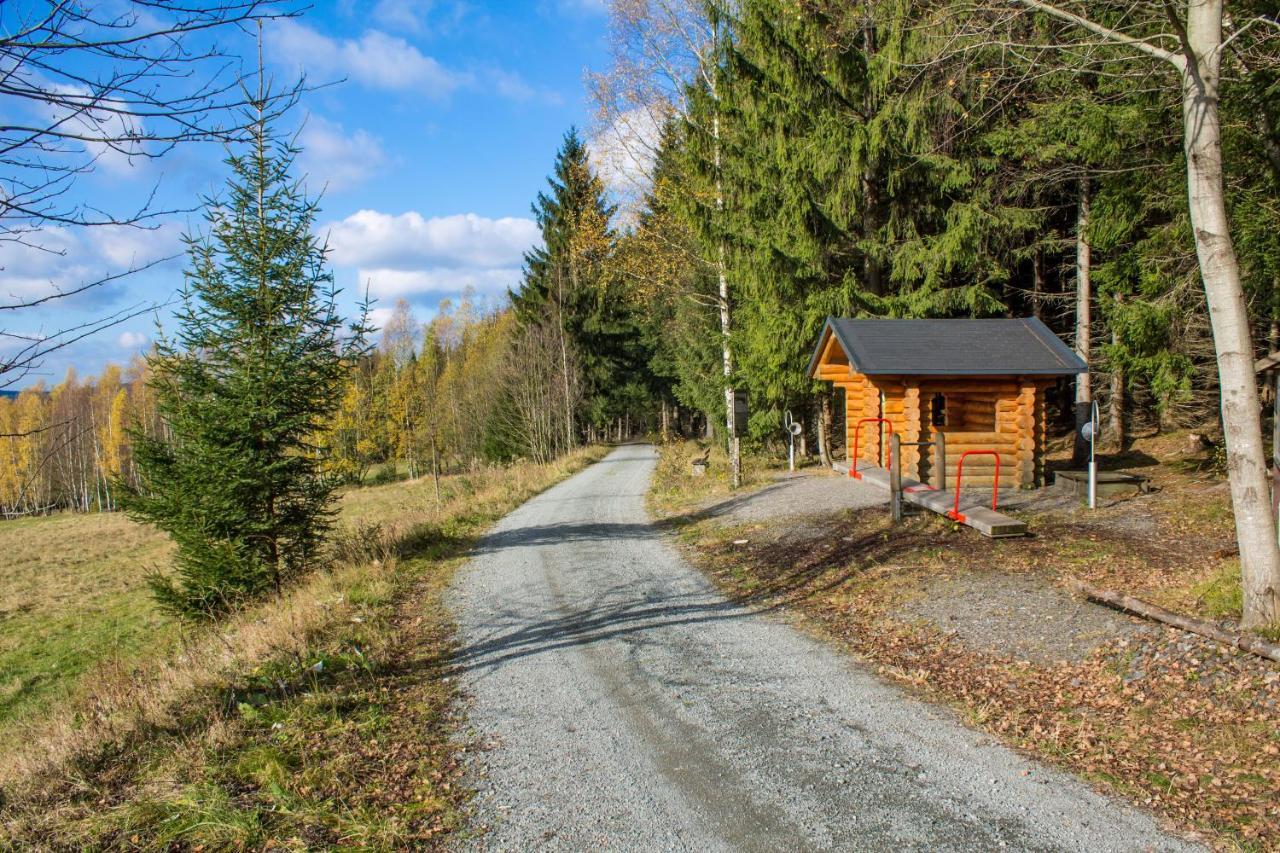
[564, 533]
[517, 637]
[588, 612]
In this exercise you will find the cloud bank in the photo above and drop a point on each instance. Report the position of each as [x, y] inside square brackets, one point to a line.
[425, 259]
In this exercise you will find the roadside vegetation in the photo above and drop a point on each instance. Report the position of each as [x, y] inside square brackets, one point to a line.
[317, 719]
[1181, 725]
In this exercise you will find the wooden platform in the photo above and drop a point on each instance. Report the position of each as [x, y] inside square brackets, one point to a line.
[976, 514]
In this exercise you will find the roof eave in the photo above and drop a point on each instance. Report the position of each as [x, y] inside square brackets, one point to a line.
[828, 327]
[1075, 371]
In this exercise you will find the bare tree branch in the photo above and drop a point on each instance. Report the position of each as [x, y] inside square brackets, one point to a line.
[88, 84]
[1106, 32]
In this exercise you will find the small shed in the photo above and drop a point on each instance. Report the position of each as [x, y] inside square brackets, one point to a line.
[980, 382]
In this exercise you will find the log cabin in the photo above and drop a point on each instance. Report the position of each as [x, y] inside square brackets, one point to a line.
[981, 383]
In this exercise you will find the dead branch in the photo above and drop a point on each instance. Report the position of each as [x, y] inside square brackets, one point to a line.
[1245, 642]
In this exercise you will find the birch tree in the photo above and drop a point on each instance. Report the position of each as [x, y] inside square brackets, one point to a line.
[667, 53]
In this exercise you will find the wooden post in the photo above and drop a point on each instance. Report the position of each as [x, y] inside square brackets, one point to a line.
[895, 477]
[940, 456]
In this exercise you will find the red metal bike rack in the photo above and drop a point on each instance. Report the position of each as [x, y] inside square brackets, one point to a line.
[954, 513]
[853, 459]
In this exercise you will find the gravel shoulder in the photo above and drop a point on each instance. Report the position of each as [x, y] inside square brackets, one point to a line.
[622, 702]
[796, 495]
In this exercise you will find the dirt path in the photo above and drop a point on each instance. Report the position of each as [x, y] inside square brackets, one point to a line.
[628, 705]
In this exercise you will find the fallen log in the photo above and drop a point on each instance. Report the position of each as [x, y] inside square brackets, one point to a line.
[1244, 642]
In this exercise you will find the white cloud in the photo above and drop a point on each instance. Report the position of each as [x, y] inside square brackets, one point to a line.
[331, 157]
[76, 115]
[407, 15]
[514, 87]
[378, 316]
[385, 284]
[131, 340]
[427, 258]
[588, 7]
[375, 59]
[370, 239]
[124, 247]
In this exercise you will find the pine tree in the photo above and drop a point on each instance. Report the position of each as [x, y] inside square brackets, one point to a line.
[255, 369]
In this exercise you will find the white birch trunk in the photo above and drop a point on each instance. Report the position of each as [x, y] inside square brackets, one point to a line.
[1084, 294]
[735, 456]
[1241, 408]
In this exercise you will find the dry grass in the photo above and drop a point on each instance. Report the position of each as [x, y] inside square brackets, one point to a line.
[186, 739]
[73, 597]
[676, 489]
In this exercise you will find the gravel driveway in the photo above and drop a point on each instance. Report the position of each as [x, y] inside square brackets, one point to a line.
[627, 705]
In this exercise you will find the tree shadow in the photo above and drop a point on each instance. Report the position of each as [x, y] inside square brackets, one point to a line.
[720, 508]
[516, 637]
[592, 614]
[564, 533]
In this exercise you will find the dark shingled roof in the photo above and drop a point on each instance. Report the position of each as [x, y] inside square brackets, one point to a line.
[951, 347]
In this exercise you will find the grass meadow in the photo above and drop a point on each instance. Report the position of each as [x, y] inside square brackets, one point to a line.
[320, 718]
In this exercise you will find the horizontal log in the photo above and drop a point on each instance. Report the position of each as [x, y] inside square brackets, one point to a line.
[968, 388]
[1246, 642]
[963, 436]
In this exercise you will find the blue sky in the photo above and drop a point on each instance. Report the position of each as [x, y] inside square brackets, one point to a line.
[429, 153]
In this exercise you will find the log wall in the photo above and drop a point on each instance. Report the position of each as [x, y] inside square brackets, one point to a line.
[1001, 413]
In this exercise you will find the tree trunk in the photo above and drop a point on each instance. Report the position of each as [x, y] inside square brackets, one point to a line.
[1084, 322]
[435, 469]
[1037, 285]
[734, 447]
[1241, 409]
[824, 430]
[1118, 405]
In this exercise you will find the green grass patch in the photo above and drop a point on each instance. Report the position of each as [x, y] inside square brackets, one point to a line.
[1221, 595]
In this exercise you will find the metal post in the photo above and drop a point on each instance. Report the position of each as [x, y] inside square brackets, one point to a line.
[940, 455]
[895, 477]
[1093, 457]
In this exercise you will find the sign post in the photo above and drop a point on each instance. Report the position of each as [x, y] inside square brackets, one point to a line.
[793, 429]
[739, 413]
[1089, 432]
[895, 477]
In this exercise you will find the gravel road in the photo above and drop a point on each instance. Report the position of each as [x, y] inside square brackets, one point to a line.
[625, 704]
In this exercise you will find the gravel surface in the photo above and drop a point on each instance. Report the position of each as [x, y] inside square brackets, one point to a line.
[803, 493]
[1022, 616]
[624, 703]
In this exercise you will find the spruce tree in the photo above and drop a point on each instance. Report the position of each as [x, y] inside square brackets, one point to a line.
[571, 285]
[256, 367]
